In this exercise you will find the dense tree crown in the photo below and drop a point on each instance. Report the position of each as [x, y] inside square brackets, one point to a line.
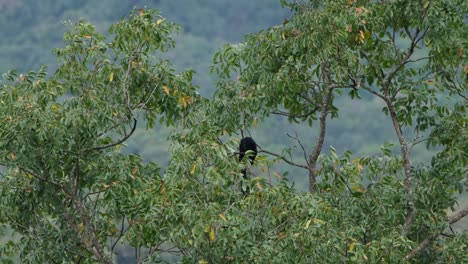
[69, 193]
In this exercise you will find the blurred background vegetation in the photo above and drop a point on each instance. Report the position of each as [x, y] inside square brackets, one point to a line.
[29, 30]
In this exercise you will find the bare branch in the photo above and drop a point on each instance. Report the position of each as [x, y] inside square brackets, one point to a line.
[373, 92]
[416, 141]
[118, 142]
[401, 138]
[122, 231]
[451, 220]
[301, 145]
[312, 161]
[420, 59]
[380, 76]
[405, 60]
[282, 113]
[406, 166]
[284, 159]
[397, 126]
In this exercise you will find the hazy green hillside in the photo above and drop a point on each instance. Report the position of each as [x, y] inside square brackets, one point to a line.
[29, 30]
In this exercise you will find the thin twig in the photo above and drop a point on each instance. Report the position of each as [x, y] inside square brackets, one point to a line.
[283, 158]
[282, 113]
[301, 145]
[121, 233]
[313, 157]
[42, 178]
[118, 142]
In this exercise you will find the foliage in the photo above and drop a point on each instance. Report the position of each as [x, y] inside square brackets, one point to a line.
[60, 142]
[71, 195]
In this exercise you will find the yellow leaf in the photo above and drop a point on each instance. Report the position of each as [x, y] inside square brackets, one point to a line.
[361, 189]
[223, 217]
[430, 82]
[460, 52]
[202, 261]
[212, 234]
[54, 107]
[12, 155]
[441, 248]
[141, 12]
[426, 4]
[277, 175]
[187, 100]
[135, 171]
[316, 220]
[351, 246]
[361, 36]
[308, 223]
[111, 77]
[166, 89]
[259, 186]
[255, 121]
[87, 37]
[194, 167]
[283, 36]
[159, 21]
[80, 227]
[359, 167]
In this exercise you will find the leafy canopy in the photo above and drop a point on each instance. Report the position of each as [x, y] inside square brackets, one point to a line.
[71, 195]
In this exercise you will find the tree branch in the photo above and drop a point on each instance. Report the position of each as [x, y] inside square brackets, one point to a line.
[406, 166]
[283, 158]
[98, 249]
[42, 178]
[282, 113]
[301, 145]
[405, 60]
[397, 126]
[118, 142]
[451, 220]
[122, 231]
[312, 162]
